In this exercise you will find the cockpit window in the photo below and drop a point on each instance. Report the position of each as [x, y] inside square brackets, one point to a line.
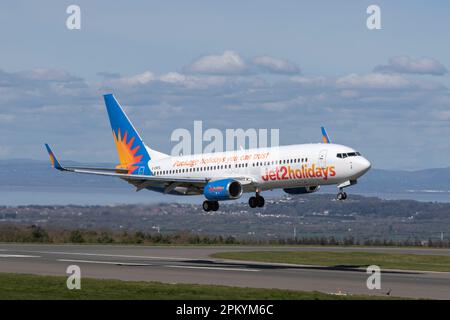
[350, 154]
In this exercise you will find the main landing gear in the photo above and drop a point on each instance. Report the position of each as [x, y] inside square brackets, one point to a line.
[257, 201]
[210, 205]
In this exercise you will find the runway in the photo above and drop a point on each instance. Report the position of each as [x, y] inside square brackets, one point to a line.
[185, 264]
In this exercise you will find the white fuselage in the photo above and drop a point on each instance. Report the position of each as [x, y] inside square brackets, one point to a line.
[269, 168]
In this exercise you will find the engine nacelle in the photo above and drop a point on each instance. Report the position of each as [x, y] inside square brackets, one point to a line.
[225, 189]
[301, 190]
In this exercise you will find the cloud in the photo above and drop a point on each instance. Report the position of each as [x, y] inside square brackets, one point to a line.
[38, 87]
[108, 75]
[229, 62]
[191, 82]
[130, 81]
[61, 108]
[373, 81]
[406, 64]
[48, 75]
[275, 65]
[311, 82]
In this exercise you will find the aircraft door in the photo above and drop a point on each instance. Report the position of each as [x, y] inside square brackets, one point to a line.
[322, 163]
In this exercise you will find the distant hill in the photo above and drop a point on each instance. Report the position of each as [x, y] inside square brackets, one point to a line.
[428, 180]
[33, 173]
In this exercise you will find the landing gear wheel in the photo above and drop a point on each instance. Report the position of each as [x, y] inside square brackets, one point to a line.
[206, 206]
[253, 202]
[210, 205]
[341, 196]
[260, 201]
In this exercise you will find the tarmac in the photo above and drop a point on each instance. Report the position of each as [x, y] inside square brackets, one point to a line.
[187, 264]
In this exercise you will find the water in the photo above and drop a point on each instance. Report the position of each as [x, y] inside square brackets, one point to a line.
[13, 196]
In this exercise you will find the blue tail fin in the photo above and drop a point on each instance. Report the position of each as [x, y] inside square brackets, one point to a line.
[133, 154]
[325, 137]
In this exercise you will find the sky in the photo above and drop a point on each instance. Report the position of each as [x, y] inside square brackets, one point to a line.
[288, 65]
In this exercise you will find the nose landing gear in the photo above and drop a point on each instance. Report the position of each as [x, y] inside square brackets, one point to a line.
[341, 195]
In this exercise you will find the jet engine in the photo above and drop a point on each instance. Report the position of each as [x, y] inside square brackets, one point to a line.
[225, 189]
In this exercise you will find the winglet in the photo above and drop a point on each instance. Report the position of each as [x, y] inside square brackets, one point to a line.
[325, 137]
[53, 159]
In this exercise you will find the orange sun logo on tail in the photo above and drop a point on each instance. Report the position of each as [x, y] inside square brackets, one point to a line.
[127, 154]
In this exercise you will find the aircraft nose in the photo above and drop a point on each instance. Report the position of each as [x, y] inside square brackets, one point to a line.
[364, 165]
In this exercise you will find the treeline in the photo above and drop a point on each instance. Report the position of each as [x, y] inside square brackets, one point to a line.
[37, 234]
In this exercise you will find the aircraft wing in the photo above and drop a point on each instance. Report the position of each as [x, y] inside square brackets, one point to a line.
[142, 181]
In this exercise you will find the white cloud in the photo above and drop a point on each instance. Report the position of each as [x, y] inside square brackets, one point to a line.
[192, 82]
[130, 81]
[173, 77]
[311, 81]
[229, 62]
[406, 64]
[47, 75]
[39, 107]
[275, 65]
[373, 81]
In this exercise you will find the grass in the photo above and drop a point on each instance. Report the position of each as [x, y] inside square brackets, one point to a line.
[31, 287]
[420, 262]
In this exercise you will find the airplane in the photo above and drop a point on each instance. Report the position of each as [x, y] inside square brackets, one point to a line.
[221, 176]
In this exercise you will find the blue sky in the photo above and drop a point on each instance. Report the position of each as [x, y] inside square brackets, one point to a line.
[292, 65]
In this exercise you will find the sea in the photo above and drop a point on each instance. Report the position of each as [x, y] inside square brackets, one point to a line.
[16, 196]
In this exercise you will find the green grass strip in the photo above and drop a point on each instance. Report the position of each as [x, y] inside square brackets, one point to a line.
[31, 287]
[418, 262]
